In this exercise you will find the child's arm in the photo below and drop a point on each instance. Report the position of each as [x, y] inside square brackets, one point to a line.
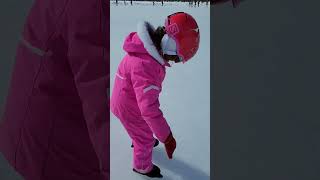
[147, 86]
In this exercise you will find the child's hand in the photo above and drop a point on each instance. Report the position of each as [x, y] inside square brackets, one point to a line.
[170, 145]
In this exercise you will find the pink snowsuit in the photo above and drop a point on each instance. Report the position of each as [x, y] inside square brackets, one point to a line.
[135, 96]
[55, 125]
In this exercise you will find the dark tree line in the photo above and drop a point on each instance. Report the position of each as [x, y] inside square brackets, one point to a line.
[191, 2]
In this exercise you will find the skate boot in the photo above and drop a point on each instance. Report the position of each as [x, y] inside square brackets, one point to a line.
[154, 173]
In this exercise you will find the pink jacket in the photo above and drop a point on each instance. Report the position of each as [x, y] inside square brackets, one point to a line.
[138, 82]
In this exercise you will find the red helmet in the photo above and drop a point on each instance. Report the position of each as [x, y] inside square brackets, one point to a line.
[183, 28]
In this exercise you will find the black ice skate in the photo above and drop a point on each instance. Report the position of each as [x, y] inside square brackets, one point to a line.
[155, 144]
[154, 173]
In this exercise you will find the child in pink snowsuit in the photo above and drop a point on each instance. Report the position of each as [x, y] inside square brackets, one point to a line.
[138, 83]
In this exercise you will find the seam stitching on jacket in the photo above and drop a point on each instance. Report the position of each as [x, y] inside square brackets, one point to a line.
[25, 114]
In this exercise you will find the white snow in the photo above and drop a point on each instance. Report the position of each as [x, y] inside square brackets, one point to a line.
[185, 98]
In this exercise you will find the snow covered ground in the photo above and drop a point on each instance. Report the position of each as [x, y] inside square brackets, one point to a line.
[185, 99]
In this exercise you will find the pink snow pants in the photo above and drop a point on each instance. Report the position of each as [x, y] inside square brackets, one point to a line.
[142, 138]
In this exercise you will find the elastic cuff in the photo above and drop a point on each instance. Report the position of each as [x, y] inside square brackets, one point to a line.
[144, 171]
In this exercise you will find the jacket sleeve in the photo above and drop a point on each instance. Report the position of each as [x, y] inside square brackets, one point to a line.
[147, 86]
[88, 53]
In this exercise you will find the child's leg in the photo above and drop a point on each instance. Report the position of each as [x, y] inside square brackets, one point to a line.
[143, 142]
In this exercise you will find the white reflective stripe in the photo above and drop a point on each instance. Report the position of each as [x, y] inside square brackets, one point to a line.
[151, 87]
[118, 75]
[33, 49]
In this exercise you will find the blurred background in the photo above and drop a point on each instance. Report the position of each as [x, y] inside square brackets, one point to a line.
[266, 90]
[12, 16]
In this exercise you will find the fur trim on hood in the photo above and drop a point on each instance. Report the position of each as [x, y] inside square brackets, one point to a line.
[143, 33]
